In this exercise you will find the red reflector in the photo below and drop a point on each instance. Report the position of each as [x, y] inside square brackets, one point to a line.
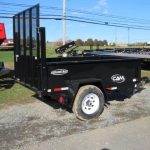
[57, 89]
[109, 88]
[61, 99]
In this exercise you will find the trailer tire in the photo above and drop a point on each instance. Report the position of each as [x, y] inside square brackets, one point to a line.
[88, 103]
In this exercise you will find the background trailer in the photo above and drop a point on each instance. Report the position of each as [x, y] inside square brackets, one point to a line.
[2, 33]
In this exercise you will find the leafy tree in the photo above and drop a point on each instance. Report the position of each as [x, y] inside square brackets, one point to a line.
[96, 42]
[105, 42]
[90, 42]
[79, 42]
[101, 43]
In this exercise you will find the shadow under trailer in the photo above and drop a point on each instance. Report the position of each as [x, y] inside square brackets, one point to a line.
[83, 83]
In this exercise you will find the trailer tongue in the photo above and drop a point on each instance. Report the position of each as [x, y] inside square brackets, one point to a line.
[81, 83]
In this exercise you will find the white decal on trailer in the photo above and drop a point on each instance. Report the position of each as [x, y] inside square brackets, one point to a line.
[118, 78]
[59, 72]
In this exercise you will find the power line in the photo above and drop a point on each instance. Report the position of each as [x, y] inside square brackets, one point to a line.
[99, 23]
[64, 22]
[85, 12]
[78, 19]
[5, 13]
[80, 11]
[83, 20]
[6, 17]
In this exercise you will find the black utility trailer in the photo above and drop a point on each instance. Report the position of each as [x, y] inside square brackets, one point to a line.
[82, 83]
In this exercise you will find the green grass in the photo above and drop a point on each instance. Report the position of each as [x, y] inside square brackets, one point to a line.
[145, 73]
[7, 56]
[50, 52]
[16, 94]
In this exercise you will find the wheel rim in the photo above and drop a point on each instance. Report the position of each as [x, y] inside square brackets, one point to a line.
[90, 104]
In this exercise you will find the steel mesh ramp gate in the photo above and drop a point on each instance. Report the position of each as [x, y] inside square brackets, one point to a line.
[26, 43]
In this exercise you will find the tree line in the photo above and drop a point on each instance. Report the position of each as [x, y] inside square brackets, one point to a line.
[91, 42]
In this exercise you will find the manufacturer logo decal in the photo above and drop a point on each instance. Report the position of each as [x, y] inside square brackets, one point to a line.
[118, 78]
[59, 72]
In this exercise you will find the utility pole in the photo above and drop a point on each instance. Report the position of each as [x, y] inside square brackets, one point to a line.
[116, 34]
[64, 22]
[128, 36]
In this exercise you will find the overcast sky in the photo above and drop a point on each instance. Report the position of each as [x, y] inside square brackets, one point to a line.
[127, 8]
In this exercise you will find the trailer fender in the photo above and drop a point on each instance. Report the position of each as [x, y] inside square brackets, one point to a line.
[74, 86]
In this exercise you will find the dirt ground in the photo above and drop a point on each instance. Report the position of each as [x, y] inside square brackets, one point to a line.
[33, 123]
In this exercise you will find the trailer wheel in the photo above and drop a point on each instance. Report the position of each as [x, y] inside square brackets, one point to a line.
[89, 102]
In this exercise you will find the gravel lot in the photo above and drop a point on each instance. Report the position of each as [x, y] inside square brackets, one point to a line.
[33, 123]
